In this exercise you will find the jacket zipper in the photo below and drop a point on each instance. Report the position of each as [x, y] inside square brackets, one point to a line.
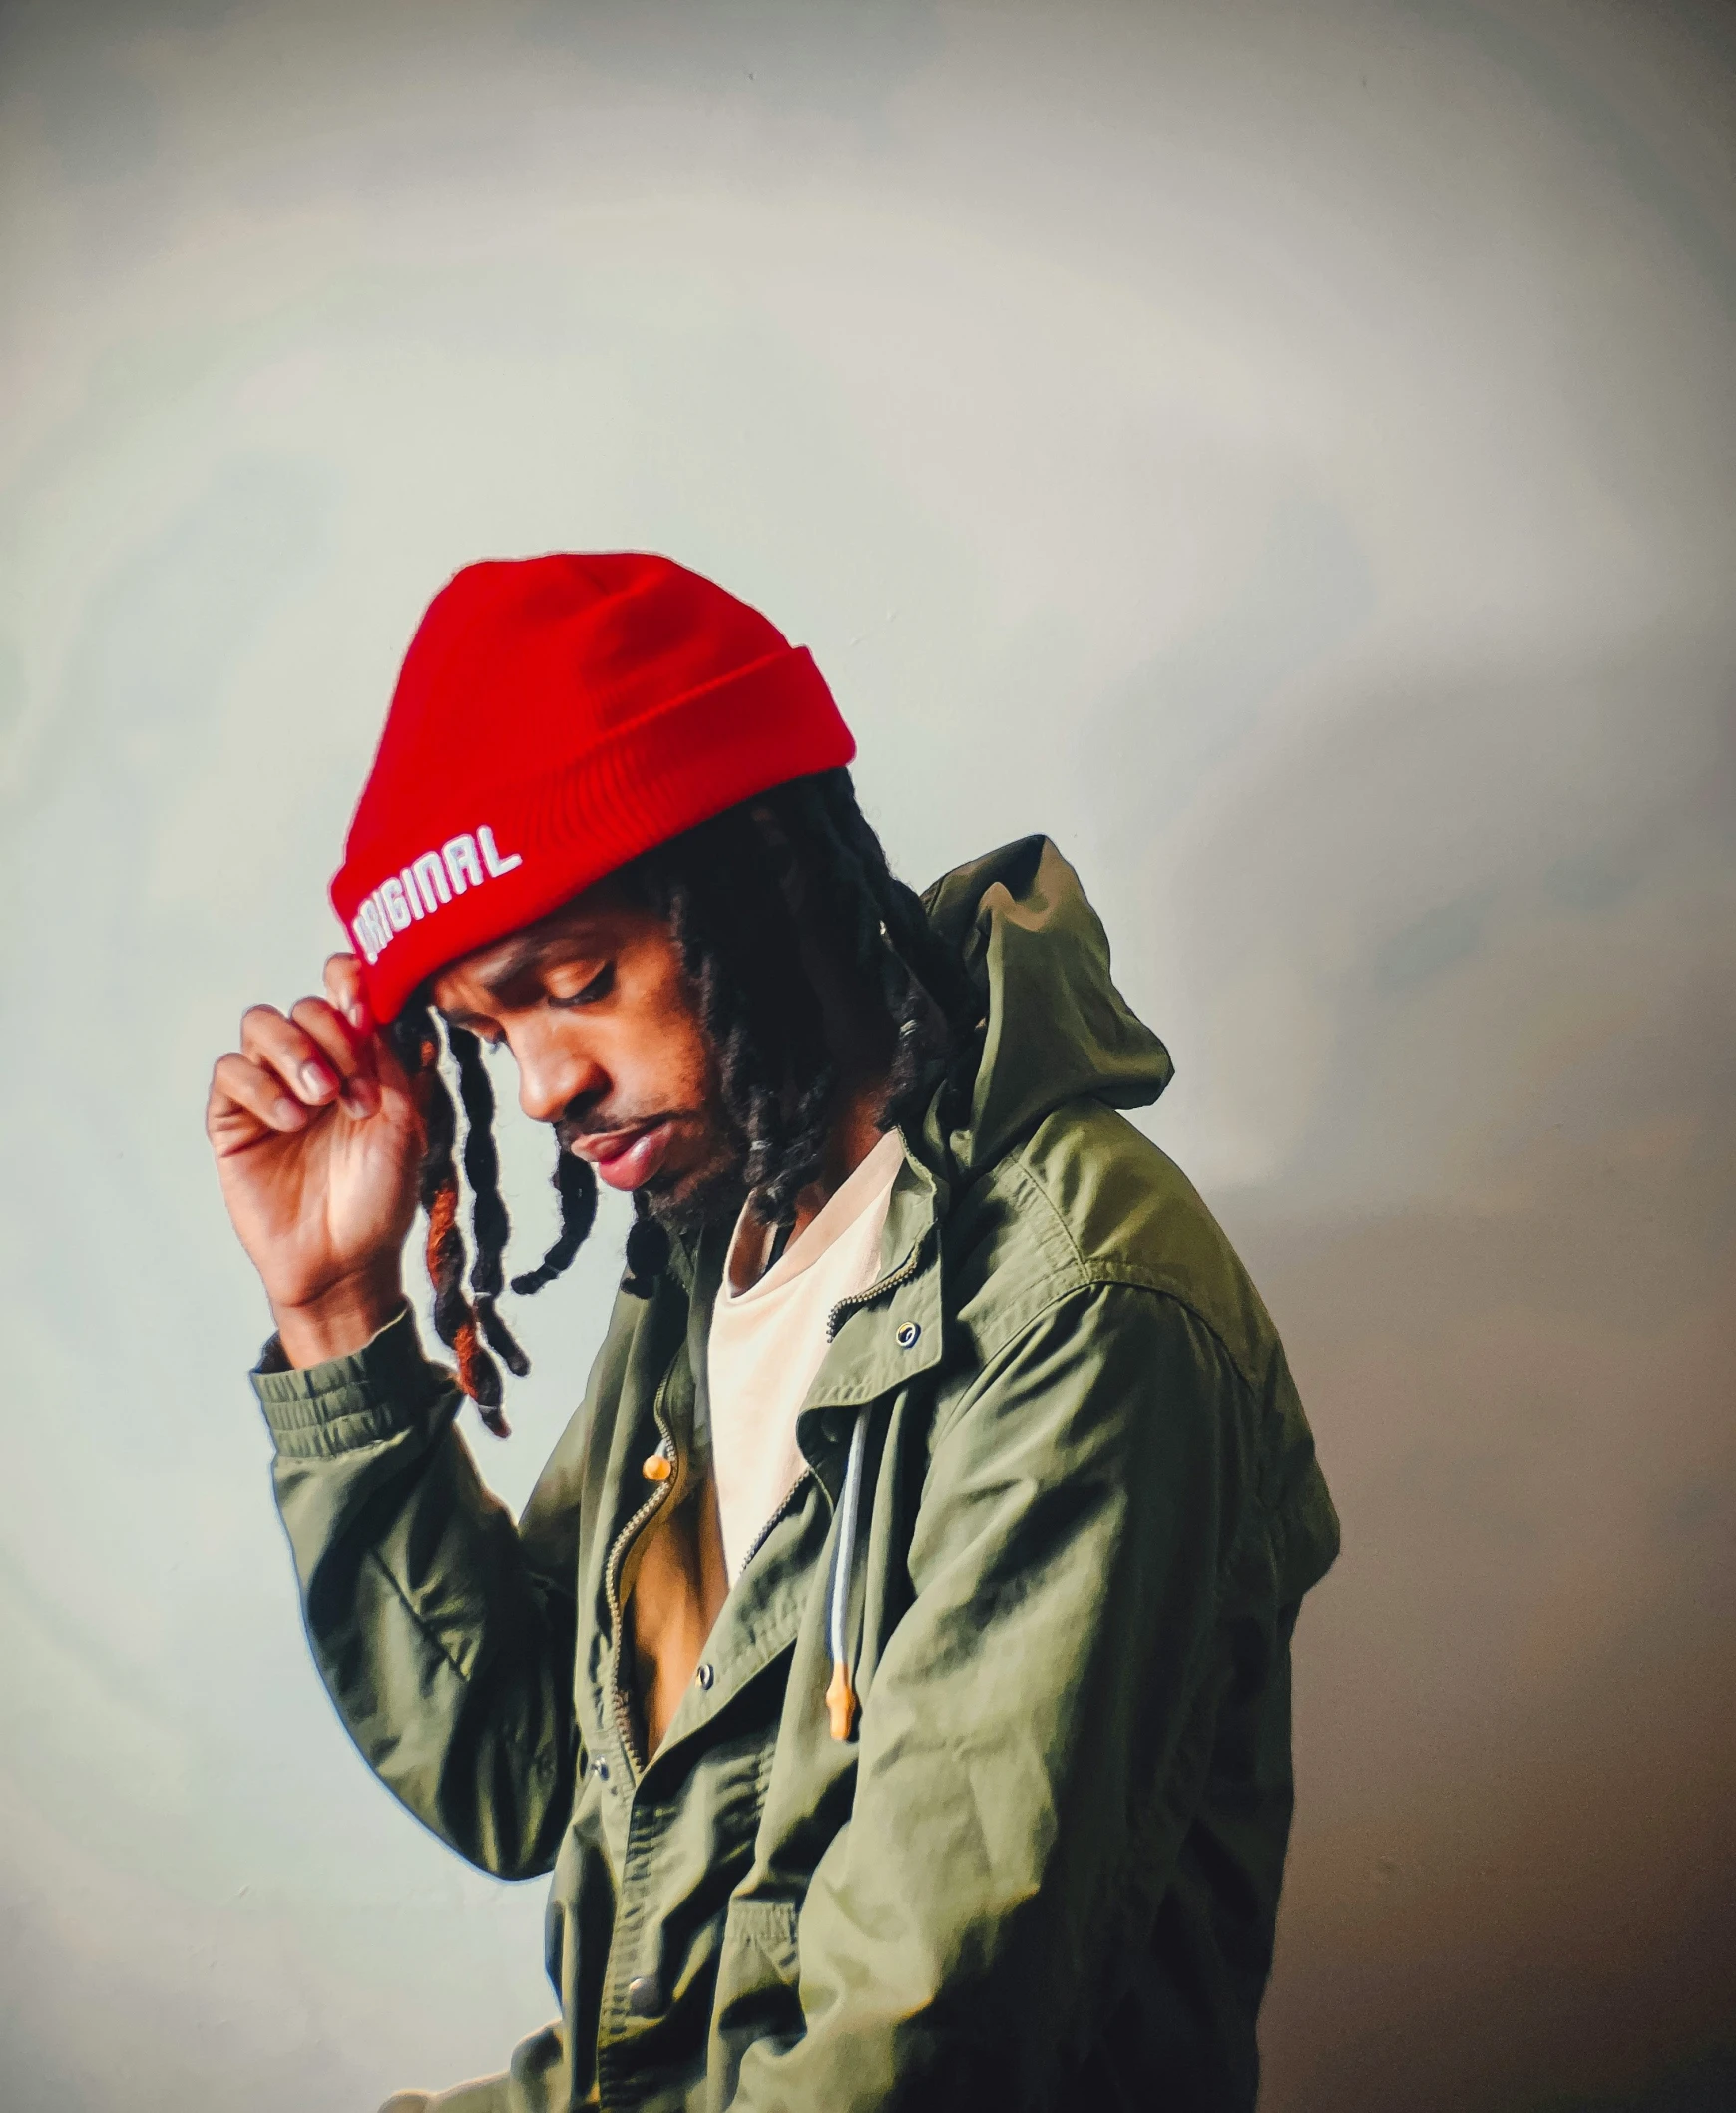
[647, 1512]
[624, 1541]
[845, 1307]
[783, 1511]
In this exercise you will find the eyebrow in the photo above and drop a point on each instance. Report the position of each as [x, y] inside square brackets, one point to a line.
[521, 956]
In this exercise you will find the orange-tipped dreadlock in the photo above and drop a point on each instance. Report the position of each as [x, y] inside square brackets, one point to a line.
[455, 1319]
[445, 1260]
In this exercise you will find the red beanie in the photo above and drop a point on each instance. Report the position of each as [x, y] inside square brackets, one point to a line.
[554, 718]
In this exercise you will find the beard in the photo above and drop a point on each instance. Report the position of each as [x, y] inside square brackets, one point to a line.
[692, 1203]
[684, 1200]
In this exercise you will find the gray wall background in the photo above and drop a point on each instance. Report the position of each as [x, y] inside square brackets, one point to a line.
[1288, 453]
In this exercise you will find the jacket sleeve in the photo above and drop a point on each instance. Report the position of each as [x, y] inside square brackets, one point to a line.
[1038, 1725]
[444, 1636]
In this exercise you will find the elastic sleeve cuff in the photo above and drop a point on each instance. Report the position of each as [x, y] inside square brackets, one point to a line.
[386, 1386]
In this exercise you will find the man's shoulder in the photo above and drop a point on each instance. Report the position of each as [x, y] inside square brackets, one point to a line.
[1087, 1200]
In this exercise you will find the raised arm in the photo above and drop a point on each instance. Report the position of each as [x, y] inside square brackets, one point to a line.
[445, 1640]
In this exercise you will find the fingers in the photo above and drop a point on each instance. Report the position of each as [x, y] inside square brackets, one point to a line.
[346, 992]
[349, 1053]
[278, 1044]
[313, 1055]
[287, 1069]
[246, 1097]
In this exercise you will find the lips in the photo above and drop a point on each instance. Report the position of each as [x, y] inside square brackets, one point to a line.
[627, 1159]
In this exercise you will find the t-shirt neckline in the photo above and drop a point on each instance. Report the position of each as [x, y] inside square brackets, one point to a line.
[867, 1183]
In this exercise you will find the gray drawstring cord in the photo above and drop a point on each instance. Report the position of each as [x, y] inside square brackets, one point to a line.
[841, 1695]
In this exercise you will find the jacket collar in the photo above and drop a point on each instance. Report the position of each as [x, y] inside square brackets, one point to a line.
[891, 1331]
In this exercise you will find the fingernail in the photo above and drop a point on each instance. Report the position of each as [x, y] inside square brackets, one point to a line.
[357, 1015]
[317, 1082]
[289, 1114]
[361, 1097]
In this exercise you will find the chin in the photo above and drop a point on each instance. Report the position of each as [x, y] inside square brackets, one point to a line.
[691, 1204]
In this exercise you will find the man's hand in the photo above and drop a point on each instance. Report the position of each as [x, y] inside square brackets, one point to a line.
[318, 1143]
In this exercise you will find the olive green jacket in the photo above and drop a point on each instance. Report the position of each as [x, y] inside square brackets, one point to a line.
[1042, 1867]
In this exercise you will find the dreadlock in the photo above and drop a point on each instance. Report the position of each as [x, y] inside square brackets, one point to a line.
[488, 1217]
[456, 1321]
[576, 1184]
[739, 893]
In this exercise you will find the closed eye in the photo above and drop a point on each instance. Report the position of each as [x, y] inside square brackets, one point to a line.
[600, 986]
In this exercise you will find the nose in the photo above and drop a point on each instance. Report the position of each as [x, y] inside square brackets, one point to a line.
[555, 1066]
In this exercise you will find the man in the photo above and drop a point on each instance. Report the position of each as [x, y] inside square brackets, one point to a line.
[892, 1662]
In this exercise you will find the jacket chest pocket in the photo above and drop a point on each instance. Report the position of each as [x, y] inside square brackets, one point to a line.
[758, 1971]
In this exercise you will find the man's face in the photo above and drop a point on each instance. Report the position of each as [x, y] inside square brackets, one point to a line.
[599, 1019]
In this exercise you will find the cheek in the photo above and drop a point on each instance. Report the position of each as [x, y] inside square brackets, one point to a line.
[690, 1064]
[657, 1047]
[684, 1059]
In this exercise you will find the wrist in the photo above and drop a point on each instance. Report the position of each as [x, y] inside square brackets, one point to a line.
[341, 1320]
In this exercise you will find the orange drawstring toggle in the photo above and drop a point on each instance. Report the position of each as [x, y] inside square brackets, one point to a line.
[841, 1701]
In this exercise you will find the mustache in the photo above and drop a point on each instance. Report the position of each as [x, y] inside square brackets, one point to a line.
[586, 1117]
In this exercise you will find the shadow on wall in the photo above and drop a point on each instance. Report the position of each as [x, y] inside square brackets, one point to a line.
[1707, 2086]
[1514, 1837]
[1512, 1882]
[1487, 1074]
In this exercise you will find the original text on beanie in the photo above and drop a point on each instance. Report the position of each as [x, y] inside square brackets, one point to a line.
[554, 718]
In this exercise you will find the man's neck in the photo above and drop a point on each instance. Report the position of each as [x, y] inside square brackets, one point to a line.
[855, 1133]
[860, 1039]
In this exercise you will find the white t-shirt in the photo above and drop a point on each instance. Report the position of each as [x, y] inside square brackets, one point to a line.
[766, 1343]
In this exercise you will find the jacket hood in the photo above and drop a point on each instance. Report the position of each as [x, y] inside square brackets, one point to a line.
[1053, 1024]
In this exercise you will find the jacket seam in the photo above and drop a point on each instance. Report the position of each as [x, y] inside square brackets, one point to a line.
[1269, 1511]
[1098, 1272]
[993, 1354]
[1117, 1273]
[428, 1634]
[1100, 1269]
[529, 1750]
[1013, 1163]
